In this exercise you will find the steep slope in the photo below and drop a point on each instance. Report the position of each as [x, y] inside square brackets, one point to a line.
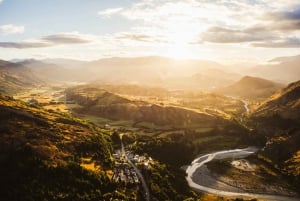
[251, 88]
[285, 103]
[278, 119]
[16, 77]
[41, 152]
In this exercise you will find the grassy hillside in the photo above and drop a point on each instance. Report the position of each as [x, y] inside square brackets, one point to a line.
[16, 77]
[41, 155]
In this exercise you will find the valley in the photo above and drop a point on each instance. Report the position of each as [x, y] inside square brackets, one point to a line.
[150, 100]
[149, 137]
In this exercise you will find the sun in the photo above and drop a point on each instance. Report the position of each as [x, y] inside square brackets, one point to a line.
[180, 40]
[179, 51]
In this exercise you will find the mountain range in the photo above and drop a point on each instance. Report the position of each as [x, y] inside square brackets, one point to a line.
[155, 71]
[162, 71]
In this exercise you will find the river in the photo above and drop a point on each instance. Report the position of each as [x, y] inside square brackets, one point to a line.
[235, 153]
[246, 106]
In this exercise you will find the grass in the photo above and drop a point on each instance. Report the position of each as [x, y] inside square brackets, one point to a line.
[89, 164]
[204, 129]
[100, 121]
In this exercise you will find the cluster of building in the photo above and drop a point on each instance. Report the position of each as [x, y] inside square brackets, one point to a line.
[137, 159]
[124, 173]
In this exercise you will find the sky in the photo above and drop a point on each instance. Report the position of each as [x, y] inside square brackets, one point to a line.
[232, 31]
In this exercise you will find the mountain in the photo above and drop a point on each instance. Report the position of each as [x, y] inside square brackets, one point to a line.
[155, 70]
[42, 155]
[281, 69]
[251, 88]
[16, 77]
[278, 120]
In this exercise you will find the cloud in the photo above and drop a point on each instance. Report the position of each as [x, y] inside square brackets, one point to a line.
[138, 37]
[283, 20]
[11, 29]
[66, 38]
[23, 45]
[293, 15]
[284, 43]
[49, 41]
[225, 35]
[255, 36]
[109, 12]
[284, 15]
[271, 29]
[218, 21]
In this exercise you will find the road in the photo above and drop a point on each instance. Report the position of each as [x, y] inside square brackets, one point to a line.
[145, 187]
[236, 153]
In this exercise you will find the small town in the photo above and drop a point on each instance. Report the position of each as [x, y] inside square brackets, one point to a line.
[124, 171]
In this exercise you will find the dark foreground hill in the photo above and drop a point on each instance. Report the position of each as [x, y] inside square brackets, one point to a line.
[41, 153]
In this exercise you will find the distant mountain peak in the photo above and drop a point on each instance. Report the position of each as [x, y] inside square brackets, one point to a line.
[252, 88]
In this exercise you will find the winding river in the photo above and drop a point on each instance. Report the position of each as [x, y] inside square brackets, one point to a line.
[246, 106]
[235, 153]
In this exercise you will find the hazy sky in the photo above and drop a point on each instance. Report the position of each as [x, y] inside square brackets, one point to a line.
[225, 31]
